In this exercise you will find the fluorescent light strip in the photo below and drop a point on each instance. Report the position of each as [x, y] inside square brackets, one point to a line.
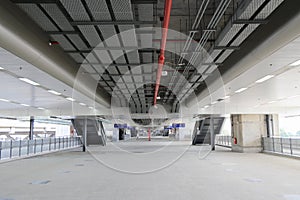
[1, 68]
[83, 104]
[54, 92]
[4, 100]
[296, 63]
[206, 106]
[91, 107]
[214, 102]
[226, 97]
[241, 90]
[40, 108]
[22, 104]
[70, 99]
[264, 78]
[29, 81]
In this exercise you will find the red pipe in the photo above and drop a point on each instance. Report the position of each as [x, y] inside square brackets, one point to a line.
[161, 59]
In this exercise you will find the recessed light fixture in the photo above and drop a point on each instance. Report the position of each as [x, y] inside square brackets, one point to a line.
[26, 80]
[26, 105]
[264, 78]
[70, 99]
[158, 97]
[82, 104]
[241, 90]
[206, 106]
[164, 73]
[54, 92]
[296, 63]
[4, 100]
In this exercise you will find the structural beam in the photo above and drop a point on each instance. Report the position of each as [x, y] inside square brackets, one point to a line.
[95, 23]
[250, 21]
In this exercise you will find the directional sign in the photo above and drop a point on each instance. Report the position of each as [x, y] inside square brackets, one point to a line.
[120, 125]
[178, 125]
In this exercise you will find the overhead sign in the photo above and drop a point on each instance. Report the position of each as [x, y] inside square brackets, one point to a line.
[178, 125]
[120, 125]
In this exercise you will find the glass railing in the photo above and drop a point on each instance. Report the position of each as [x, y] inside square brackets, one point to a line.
[13, 149]
[223, 140]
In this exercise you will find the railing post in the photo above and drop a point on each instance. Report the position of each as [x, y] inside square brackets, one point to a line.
[20, 144]
[49, 143]
[291, 147]
[34, 149]
[281, 145]
[0, 150]
[59, 143]
[42, 145]
[55, 143]
[28, 147]
[63, 142]
[273, 140]
[10, 149]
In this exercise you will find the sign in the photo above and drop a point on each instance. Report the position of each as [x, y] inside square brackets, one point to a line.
[178, 125]
[120, 125]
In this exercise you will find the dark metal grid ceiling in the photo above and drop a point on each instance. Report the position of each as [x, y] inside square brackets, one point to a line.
[220, 26]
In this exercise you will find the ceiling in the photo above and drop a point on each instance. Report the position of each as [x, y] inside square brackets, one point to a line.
[117, 43]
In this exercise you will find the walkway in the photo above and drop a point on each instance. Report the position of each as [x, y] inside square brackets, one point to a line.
[221, 175]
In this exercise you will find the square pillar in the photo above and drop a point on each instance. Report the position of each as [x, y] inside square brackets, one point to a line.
[247, 131]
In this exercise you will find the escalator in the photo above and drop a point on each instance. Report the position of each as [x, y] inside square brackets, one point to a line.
[204, 127]
[94, 129]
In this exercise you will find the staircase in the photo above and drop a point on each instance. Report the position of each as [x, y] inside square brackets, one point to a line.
[95, 130]
[202, 130]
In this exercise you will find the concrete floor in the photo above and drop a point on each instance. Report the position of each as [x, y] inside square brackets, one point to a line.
[151, 170]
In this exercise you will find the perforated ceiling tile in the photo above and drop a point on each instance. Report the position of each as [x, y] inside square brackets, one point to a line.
[133, 56]
[118, 56]
[103, 56]
[99, 68]
[77, 57]
[90, 34]
[91, 58]
[250, 10]
[109, 34]
[145, 12]
[128, 35]
[122, 9]
[77, 41]
[38, 16]
[76, 10]
[268, 9]
[249, 29]
[55, 13]
[99, 9]
[230, 34]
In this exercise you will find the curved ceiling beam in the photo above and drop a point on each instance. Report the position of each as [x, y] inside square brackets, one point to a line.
[24, 38]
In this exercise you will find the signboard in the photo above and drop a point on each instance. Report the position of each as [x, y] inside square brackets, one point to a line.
[168, 127]
[120, 125]
[178, 125]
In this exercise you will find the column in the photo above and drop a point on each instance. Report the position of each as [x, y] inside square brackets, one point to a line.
[247, 131]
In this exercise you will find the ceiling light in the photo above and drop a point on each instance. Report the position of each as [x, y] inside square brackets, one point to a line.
[4, 100]
[83, 104]
[70, 99]
[1, 68]
[40, 108]
[296, 63]
[158, 97]
[214, 102]
[54, 92]
[264, 78]
[226, 97]
[29, 81]
[91, 107]
[206, 106]
[26, 105]
[241, 90]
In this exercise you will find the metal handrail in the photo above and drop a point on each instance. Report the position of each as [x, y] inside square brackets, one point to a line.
[12, 149]
[282, 145]
[223, 140]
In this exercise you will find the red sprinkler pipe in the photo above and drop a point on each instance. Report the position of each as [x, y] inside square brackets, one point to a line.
[161, 59]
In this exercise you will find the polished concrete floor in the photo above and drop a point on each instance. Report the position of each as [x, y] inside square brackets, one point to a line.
[151, 170]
